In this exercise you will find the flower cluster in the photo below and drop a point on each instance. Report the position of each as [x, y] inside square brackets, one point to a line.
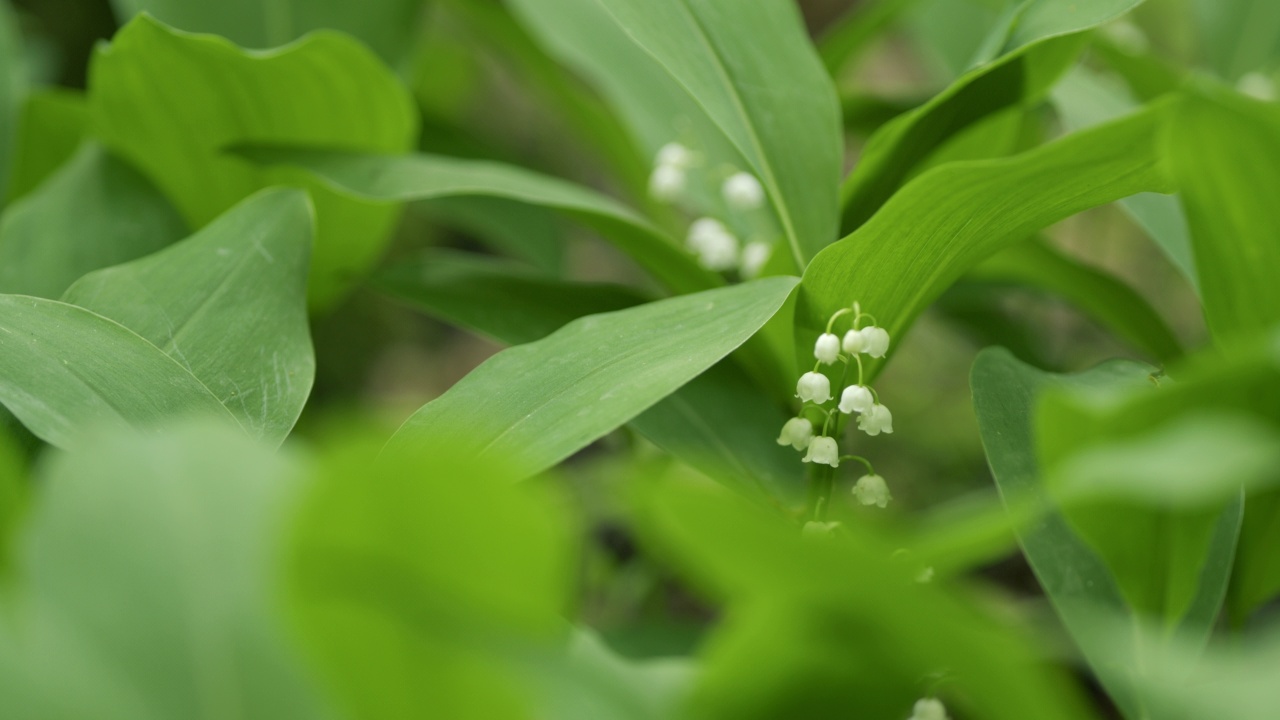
[717, 247]
[857, 399]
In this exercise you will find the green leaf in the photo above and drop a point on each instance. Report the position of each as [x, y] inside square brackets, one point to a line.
[94, 212]
[1040, 45]
[956, 215]
[1215, 140]
[53, 123]
[1238, 36]
[539, 403]
[229, 305]
[752, 71]
[13, 88]
[402, 628]
[422, 177]
[532, 233]
[716, 423]
[152, 100]
[1099, 294]
[386, 26]
[14, 493]
[501, 300]
[147, 591]
[852, 33]
[65, 370]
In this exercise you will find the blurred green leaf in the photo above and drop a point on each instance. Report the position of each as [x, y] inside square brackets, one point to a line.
[1215, 140]
[422, 177]
[13, 88]
[65, 370]
[531, 233]
[52, 125]
[401, 577]
[541, 402]
[229, 305]
[1101, 295]
[14, 492]
[1038, 47]
[95, 211]
[1238, 36]
[153, 100]
[147, 588]
[833, 626]
[859, 27]
[753, 72]
[386, 26]
[955, 216]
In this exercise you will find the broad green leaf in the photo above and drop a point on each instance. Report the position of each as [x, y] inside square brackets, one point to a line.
[956, 215]
[1215, 141]
[147, 591]
[716, 423]
[539, 403]
[1238, 36]
[1099, 294]
[591, 682]
[1041, 44]
[386, 26]
[754, 73]
[94, 212]
[502, 300]
[401, 570]
[1084, 99]
[52, 125]
[422, 177]
[847, 37]
[532, 233]
[14, 495]
[229, 305]
[1077, 582]
[813, 629]
[65, 370]
[153, 100]
[12, 91]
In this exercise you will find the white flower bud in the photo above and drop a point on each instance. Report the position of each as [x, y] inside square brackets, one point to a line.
[1257, 86]
[876, 341]
[872, 490]
[797, 433]
[929, 709]
[827, 349]
[824, 451]
[667, 182]
[675, 155]
[876, 420]
[754, 256]
[819, 530]
[813, 387]
[716, 247]
[854, 342]
[856, 398]
[742, 191]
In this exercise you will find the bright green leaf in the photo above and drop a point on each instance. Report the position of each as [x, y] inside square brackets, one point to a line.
[229, 305]
[153, 100]
[94, 212]
[539, 403]
[53, 124]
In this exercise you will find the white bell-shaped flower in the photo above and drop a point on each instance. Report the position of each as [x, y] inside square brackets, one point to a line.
[675, 155]
[667, 182]
[742, 191]
[824, 451]
[876, 420]
[813, 387]
[854, 342]
[754, 256]
[819, 530]
[715, 246]
[929, 709]
[856, 399]
[827, 349]
[876, 341]
[797, 433]
[872, 490]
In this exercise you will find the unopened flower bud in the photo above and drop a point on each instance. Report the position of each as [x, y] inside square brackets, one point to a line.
[667, 182]
[856, 398]
[872, 490]
[742, 191]
[876, 420]
[876, 341]
[854, 342]
[797, 433]
[824, 451]
[827, 349]
[813, 387]
[675, 155]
